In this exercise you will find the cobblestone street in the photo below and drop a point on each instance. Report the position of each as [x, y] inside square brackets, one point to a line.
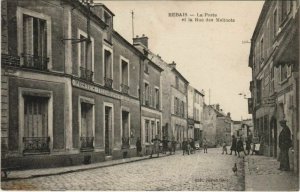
[211, 171]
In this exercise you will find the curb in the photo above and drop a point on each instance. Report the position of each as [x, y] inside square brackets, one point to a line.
[77, 170]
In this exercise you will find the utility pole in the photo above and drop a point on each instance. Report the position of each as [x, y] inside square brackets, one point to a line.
[209, 96]
[132, 21]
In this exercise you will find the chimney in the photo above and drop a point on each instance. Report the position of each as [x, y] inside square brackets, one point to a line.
[228, 114]
[218, 107]
[173, 64]
[141, 40]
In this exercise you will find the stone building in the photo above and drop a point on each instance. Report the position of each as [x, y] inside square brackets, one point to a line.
[70, 85]
[210, 125]
[195, 113]
[151, 96]
[217, 125]
[274, 60]
[173, 96]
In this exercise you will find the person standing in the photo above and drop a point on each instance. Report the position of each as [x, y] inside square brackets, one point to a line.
[224, 145]
[165, 145]
[155, 148]
[205, 145]
[173, 143]
[138, 145]
[233, 145]
[184, 146]
[248, 145]
[240, 147]
[285, 143]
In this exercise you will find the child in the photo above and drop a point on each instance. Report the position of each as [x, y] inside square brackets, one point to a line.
[224, 148]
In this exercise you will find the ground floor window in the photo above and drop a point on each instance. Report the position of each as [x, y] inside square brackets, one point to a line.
[125, 129]
[87, 135]
[35, 136]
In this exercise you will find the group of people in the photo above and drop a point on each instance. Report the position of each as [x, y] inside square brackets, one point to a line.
[237, 145]
[188, 146]
[158, 146]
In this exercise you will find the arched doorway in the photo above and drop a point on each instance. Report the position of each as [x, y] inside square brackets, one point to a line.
[273, 133]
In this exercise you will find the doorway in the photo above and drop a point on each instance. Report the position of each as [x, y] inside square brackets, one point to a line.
[274, 130]
[108, 131]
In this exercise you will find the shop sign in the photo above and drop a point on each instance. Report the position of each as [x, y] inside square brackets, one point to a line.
[96, 89]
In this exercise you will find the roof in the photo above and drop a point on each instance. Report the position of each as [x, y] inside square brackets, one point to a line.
[181, 76]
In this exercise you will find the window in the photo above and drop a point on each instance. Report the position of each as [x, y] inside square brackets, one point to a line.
[147, 139]
[108, 76]
[272, 80]
[258, 91]
[175, 105]
[85, 56]
[285, 72]
[35, 124]
[146, 68]
[182, 111]
[156, 98]
[34, 43]
[275, 25]
[177, 82]
[124, 76]
[284, 10]
[125, 128]
[261, 50]
[146, 96]
[87, 135]
[153, 132]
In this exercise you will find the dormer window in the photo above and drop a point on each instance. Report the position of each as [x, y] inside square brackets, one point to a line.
[107, 18]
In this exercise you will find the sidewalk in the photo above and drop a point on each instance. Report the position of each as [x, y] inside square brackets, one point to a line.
[262, 174]
[25, 174]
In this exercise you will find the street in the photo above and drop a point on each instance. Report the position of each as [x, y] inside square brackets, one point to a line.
[199, 171]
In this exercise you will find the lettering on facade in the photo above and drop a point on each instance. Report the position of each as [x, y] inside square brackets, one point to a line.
[102, 91]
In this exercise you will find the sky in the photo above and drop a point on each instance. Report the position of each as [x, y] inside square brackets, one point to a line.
[210, 55]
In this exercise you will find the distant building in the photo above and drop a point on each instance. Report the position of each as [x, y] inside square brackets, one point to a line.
[274, 60]
[217, 125]
[195, 113]
[174, 96]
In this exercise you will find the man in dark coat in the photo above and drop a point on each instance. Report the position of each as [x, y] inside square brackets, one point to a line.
[240, 147]
[233, 145]
[285, 143]
[138, 145]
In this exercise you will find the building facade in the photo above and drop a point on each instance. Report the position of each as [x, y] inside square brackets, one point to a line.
[195, 112]
[274, 59]
[210, 125]
[70, 86]
[151, 97]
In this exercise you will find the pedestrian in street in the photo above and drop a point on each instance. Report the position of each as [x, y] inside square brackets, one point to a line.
[285, 143]
[165, 145]
[248, 145]
[155, 149]
[193, 147]
[205, 145]
[138, 145]
[173, 143]
[240, 146]
[233, 145]
[224, 146]
[184, 146]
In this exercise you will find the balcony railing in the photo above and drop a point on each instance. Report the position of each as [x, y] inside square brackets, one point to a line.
[36, 144]
[87, 143]
[10, 60]
[35, 62]
[125, 89]
[86, 74]
[108, 83]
